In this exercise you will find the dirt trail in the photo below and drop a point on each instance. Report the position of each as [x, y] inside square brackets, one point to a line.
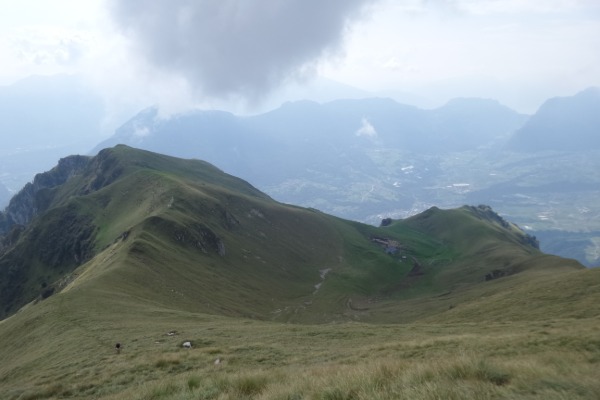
[324, 273]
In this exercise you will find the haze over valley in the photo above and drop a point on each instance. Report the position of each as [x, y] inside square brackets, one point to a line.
[366, 159]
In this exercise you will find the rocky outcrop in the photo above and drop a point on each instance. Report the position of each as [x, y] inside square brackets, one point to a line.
[195, 235]
[389, 245]
[495, 274]
[201, 237]
[485, 212]
[35, 196]
[386, 222]
[34, 259]
[417, 269]
[102, 170]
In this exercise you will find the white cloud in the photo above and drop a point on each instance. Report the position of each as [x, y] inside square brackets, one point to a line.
[141, 131]
[519, 52]
[366, 129]
[48, 45]
[483, 7]
[233, 47]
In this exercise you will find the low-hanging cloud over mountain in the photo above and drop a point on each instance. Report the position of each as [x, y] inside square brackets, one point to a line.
[236, 47]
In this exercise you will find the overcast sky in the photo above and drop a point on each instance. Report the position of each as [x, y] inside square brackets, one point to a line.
[230, 52]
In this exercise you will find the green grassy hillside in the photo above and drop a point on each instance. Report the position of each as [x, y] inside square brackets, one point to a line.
[185, 234]
[64, 348]
[151, 251]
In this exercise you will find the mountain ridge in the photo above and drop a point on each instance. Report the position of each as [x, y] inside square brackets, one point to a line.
[152, 211]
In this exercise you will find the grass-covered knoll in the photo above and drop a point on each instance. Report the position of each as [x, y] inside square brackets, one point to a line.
[447, 304]
[482, 240]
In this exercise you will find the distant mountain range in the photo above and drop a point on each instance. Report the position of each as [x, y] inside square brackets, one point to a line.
[367, 159]
[43, 119]
[301, 136]
[371, 158]
[40, 112]
[5, 194]
[562, 123]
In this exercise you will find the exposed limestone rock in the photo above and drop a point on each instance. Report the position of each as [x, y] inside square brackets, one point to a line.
[386, 222]
[495, 274]
[34, 197]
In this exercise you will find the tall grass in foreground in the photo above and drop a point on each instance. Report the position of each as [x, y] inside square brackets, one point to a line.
[464, 377]
[547, 359]
[560, 375]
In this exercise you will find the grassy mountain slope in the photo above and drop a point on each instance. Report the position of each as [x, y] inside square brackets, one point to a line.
[64, 348]
[193, 236]
[178, 246]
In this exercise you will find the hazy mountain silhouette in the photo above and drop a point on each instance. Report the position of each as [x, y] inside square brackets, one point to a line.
[4, 194]
[562, 123]
[364, 159]
[43, 118]
[305, 135]
[48, 111]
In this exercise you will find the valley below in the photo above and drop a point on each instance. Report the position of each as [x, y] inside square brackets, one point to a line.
[552, 195]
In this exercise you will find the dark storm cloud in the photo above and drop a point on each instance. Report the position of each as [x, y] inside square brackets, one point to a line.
[240, 47]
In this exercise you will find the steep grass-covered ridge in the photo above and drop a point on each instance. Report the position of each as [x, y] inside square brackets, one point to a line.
[183, 226]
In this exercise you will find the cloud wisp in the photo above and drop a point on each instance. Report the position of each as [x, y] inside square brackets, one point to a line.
[232, 48]
[366, 129]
